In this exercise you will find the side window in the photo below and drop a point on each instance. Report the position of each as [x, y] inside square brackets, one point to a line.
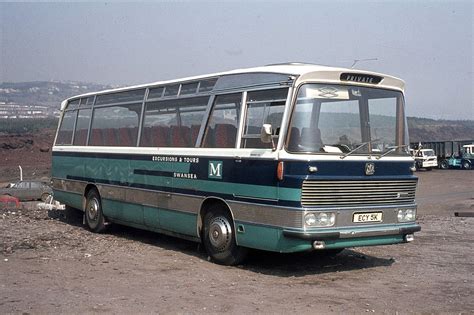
[121, 97]
[191, 114]
[65, 131]
[221, 131]
[23, 185]
[173, 123]
[82, 126]
[35, 185]
[263, 107]
[115, 125]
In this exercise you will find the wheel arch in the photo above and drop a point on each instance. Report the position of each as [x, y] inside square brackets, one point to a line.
[204, 208]
[88, 188]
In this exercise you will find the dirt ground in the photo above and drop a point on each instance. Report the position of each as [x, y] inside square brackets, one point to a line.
[50, 264]
[31, 150]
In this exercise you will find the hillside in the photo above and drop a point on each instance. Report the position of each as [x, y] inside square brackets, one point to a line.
[425, 129]
[44, 92]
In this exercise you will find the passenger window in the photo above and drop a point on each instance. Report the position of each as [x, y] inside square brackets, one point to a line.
[173, 123]
[121, 97]
[221, 131]
[82, 126]
[73, 104]
[171, 90]
[115, 125]
[263, 107]
[189, 88]
[156, 92]
[65, 131]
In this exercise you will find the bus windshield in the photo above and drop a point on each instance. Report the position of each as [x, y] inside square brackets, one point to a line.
[344, 119]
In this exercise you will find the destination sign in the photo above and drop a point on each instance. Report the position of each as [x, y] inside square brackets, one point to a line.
[361, 78]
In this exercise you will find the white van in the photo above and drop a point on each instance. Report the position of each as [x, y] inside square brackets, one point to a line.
[425, 158]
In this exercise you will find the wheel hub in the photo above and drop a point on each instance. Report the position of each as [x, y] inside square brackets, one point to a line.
[93, 209]
[220, 233]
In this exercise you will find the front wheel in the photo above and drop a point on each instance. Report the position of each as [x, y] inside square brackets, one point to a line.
[466, 165]
[95, 220]
[219, 237]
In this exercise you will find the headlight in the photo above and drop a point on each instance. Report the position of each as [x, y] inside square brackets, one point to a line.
[320, 219]
[406, 215]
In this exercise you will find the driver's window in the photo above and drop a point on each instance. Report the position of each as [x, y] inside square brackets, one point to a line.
[263, 107]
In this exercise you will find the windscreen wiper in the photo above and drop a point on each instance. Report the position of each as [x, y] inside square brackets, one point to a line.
[359, 147]
[391, 150]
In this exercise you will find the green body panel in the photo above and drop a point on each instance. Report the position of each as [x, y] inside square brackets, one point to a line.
[151, 217]
[179, 222]
[269, 238]
[71, 199]
[123, 211]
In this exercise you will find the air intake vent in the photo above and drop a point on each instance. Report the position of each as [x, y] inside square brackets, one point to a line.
[346, 193]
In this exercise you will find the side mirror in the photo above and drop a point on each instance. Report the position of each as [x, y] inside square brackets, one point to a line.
[266, 133]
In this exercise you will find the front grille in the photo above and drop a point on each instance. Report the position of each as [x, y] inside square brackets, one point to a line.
[345, 193]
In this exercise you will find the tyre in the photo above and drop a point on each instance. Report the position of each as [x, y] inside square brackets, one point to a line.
[444, 164]
[466, 165]
[219, 237]
[417, 166]
[44, 197]
[94, 217]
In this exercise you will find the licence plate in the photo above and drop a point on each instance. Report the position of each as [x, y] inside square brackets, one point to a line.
[367, 217]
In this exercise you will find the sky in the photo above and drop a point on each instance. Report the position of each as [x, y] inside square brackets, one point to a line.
[429, 44]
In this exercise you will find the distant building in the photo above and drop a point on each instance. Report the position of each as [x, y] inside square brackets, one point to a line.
[25, 111]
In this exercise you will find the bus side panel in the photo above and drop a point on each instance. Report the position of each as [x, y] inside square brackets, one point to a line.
[66, 167]
[179, 222]
[68, 198]
[110, 173]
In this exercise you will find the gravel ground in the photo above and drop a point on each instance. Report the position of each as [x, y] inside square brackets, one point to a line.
[50, 264]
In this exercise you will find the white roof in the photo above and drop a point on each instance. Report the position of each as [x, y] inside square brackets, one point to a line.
[309, 71]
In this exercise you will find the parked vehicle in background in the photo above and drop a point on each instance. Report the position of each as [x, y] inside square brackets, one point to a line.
[425, 158]
[9, 202]
[28, 190]
[464, 160]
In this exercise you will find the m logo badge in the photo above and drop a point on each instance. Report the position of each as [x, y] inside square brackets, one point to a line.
[215, 169]
[369, 169]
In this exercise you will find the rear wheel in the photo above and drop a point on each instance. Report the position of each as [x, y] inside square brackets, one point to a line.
[466, 165]
[219, 237]
[95, 220]
[444, 164]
